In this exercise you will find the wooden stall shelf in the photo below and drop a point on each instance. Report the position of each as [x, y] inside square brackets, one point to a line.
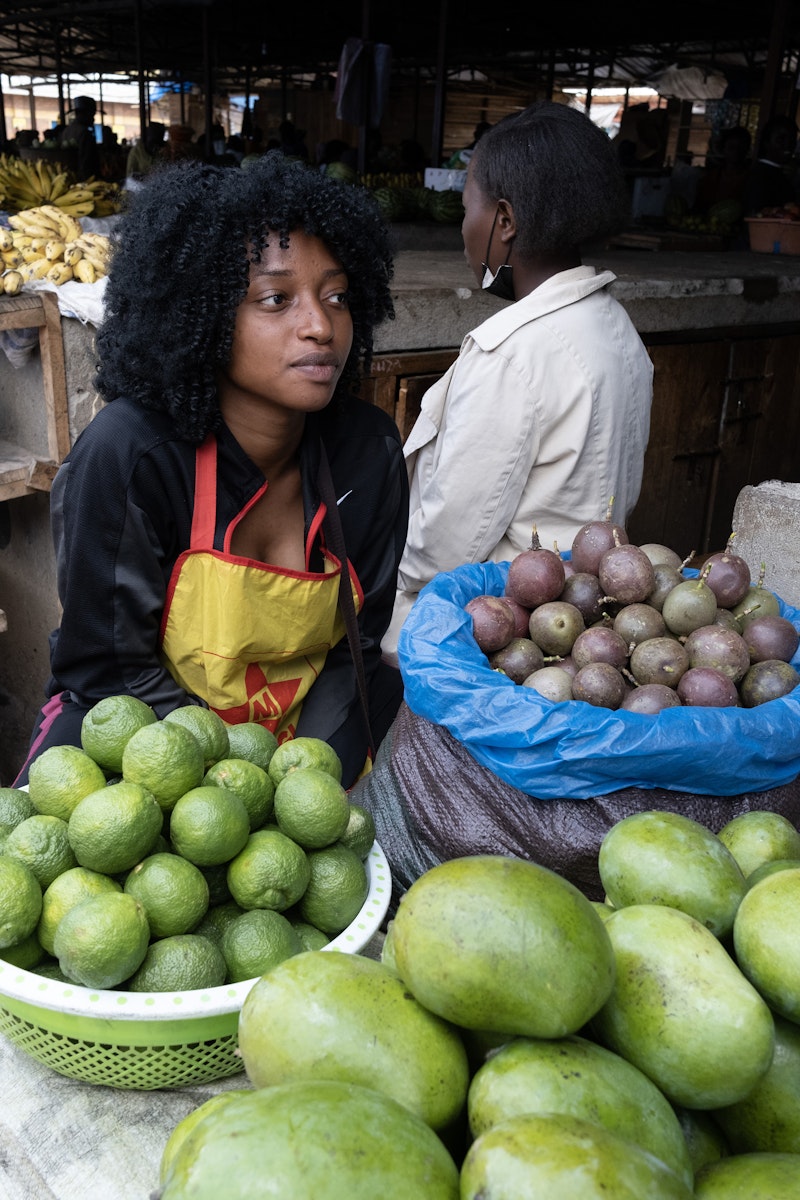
[23, 472]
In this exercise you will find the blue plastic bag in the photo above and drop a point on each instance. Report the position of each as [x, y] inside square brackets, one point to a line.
[573, 749]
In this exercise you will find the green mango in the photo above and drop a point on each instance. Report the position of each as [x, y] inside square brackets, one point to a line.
[329, 1140]
[758, 837]
[704, 1138]
[577, 1077]
[554, 1155]
[682, 1011]
[769, 868]
[503, 945]
[667, 858]
[330, 1015]
[768, 1118]
[766, 942]
[750, 1177]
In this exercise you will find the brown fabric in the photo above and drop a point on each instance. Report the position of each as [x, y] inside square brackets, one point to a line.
[432, 802]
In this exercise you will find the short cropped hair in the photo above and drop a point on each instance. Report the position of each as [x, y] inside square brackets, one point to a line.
[559, 172]
[180, 264]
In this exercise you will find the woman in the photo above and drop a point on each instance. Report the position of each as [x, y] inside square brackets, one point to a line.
[544, 416]
[193, 539]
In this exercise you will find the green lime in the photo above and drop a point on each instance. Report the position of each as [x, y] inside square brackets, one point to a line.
[209, 825]
[183, 962]
[109, 725]
[336, 890]
[270, 871]
[360, 832]
[49, 969]
[103, 940]
[166, 758]
[311, 807]
[67, 890]
[217, 920]
[173, 892]
[42, 843]
[26, 954]
[256, 942]
[311, 938]
[217, 879]
[251, 784]
[207, 726]
[60, 777]
[20, 901]
[304, 752]
[253, 742]
[15, 806]
[114, 828]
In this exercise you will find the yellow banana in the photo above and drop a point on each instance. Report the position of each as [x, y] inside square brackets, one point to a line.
[69, 228]
[100, 267]
[74, 196]
[45, 176]
[12, 258]
[35, 270]
[18, 240]
[29, 255]
[54, 250]
[39, 243]
[6, 239]
[59, 185]
[72, 254]
[12, 283]
[34, 222]
[80, 208]
[59, 273]
[98, 243]
[84, 271]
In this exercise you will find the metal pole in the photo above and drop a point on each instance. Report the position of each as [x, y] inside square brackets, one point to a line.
[775, 49]
[209, 88]
[440, 96]
[366, 50]
[3, 131]
[140, 71]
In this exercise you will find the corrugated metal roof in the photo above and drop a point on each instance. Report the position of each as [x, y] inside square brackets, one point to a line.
[241, 40]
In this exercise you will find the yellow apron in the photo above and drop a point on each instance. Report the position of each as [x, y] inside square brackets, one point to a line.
[248, 638]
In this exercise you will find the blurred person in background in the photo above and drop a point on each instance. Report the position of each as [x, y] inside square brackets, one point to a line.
[545, 414]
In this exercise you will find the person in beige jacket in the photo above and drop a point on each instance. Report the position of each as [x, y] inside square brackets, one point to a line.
[544, 416]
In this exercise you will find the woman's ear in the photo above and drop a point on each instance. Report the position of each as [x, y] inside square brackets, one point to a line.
[506, 221]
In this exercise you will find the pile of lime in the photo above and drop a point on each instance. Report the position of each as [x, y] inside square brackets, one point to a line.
[177, 853]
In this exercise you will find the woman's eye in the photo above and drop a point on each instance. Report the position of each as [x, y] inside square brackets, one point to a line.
[274, 299]
[341, 298]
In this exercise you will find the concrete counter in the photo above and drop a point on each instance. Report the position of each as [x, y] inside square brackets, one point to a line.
[437, 299]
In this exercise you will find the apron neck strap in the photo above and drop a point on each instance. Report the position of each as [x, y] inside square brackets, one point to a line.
[204, 517]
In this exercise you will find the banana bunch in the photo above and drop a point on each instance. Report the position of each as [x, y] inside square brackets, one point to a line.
[48, 243]
[28, 184]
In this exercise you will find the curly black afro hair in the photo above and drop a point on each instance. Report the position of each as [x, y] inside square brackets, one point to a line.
[180, 269]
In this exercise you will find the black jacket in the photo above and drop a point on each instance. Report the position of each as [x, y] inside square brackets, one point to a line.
[121, 509]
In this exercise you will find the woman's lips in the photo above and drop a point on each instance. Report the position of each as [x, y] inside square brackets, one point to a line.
[320, 368]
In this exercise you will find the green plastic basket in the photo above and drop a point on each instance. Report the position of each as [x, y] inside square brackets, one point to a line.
[148, 1040]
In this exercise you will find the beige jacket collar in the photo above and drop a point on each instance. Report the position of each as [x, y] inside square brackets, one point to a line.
[567, 287]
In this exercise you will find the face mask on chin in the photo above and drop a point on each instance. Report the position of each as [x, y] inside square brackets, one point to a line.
[501, 283]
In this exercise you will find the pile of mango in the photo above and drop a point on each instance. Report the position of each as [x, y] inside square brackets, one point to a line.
[518, 1040]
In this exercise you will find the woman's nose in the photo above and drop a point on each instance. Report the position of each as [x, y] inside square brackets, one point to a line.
[315, 322]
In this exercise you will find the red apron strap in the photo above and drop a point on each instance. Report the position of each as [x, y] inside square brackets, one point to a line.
[204, 516]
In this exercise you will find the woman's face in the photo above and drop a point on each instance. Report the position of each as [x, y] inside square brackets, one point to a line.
[293, 331]
[476, 228]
